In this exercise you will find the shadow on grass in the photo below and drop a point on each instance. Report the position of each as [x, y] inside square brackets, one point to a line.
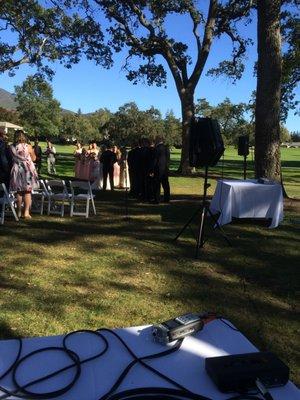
[252, 283]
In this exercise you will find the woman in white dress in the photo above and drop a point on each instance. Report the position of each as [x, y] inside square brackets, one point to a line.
[117, 152]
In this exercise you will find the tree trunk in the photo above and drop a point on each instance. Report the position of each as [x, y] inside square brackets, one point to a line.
[188, 112]
[267, 112]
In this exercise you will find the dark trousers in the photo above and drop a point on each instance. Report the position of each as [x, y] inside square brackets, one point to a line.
[108, 171]
[164, 181]
[144, 186]
[150, 188]
[38, 166]
[132, 178]
[5, 178]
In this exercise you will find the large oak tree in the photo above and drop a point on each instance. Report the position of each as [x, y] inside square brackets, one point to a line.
[140, 27]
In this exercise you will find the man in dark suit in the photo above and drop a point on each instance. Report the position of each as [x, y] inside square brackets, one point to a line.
[160, 170]
[108, 158]
[144, 168]
[5, 159]
[150, 177]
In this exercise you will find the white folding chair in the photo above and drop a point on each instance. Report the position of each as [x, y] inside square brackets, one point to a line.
[57, 195]
[6, 199]
[39, 196]
[81, 192]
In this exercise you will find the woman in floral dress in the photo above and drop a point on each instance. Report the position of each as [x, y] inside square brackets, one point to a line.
[23, 176]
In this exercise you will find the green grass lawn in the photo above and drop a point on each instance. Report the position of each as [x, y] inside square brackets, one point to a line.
[60, 274]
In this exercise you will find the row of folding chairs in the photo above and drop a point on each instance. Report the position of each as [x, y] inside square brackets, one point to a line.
[55, 195]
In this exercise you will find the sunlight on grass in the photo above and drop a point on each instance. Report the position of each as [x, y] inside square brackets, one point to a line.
[61, 274]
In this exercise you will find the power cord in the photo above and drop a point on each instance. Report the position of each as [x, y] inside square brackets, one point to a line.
[179, 392]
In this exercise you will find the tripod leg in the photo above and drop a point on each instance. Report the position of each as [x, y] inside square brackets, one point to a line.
[200, 236]
[219, 227]
[187, 224]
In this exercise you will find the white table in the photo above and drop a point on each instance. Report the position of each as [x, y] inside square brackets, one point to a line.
[186, 366]
[247, 199]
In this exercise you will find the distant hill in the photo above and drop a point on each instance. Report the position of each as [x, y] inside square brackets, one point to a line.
[7, 101]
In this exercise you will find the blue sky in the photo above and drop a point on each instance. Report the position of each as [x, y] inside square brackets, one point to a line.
[89, 87]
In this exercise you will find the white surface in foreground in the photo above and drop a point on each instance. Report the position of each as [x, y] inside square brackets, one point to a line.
[186, 366]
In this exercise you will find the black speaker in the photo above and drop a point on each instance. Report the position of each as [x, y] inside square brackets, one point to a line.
[206, 143]
[243, 145]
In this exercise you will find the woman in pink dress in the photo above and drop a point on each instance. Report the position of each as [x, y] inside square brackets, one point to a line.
[77, 155]
[94, 162]
[117, 166]
[23, 176]
[84, 165]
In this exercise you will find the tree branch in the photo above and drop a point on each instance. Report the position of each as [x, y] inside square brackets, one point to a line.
[236, 38]
[195, 16]
[11, 64]
[144, 22]
[206, 43]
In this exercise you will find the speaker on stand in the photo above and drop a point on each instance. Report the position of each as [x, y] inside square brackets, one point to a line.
[206, 147]
[243, 150]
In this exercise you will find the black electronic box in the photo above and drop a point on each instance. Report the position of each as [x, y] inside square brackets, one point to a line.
[238, 373]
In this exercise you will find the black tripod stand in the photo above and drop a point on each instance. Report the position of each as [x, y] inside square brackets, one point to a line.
[245, 167]
[203, 210]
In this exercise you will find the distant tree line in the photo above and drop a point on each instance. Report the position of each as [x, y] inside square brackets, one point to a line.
[42, 117]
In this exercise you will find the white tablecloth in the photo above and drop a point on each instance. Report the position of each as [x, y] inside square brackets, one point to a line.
[186, 366]
[247, 199]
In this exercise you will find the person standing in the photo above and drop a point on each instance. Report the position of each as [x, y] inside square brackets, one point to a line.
[50, 153]
[38, 156]
[94, 161]
[108, 158]
[77, 155]
[133, 166]
[124, 178]
[143, 168]
[5, 159]
[149, 162]
[117, 168]
[23, 176]
[160, 170]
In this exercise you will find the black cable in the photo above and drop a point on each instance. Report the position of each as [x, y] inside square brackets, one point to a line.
[140, 360]
[48, 395]
[10, 368]
[77, 363]
[263, 390]
[179, 392]
[159, 393]
[244, 397]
